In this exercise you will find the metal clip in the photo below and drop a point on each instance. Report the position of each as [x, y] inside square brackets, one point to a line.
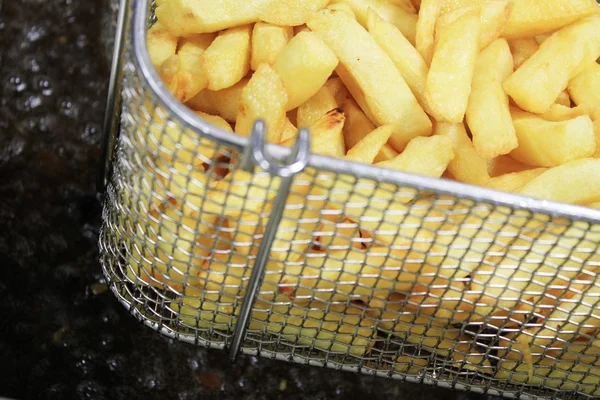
[256, 154]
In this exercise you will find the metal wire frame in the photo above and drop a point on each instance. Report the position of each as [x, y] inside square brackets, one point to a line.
[151, 305]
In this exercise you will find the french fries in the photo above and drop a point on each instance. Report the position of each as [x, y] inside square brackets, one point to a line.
[386, 94]
[540, 79]
[501, 94]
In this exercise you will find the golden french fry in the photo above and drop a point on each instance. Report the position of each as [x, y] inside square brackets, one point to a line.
[161, 44]
[533, 17]
[304, 65]
[337, 89]
[338, 233]
[425, 30]
[386, 93]
[186, 17]
[224, 103]
[502, 165]
[402, 19]
[558, 112]
[367, 149]
[227, 59]
[357, 125]
[540, 79]
[564, 99]
[315, 107]
[342, 6]
[522, 49]
[494, 15]
[267, 42]
[467, 165]
[386, 153]
[513, 182]
[264, 97]
[574, 182]
[408, 60]
[290, 12]
[488, 114]
[597, 131]
[549, 144]
[326, 134]
[584, 89]
[426, 156]
[289, 131]
[449, 79]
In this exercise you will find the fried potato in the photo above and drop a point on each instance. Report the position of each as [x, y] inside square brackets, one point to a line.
[425, 31]
[448, 84]
[538, 82]
[521, 50]
[533, 17]
[290, 12]
[597, 131]
[342, 6]
[404, 20]
[267, 42]
[425, 156]
[564, 99]
[494, 15]
[227, 60]
[584, 89]
[386, 153]
[304, 65]
[289, 131]
[505, 165]
[513, 182]
[161, 44]
[558, 112]
[264, 97]
[337, 89]
[406, 5]
[187, 17]
[549, 144]
[315, 107]
[488, 115]
[408, 60]
[386, 93]
[574, 182]
[326, 134]
[224, 103]
[357, 125]
[367, 149]
[467, 165]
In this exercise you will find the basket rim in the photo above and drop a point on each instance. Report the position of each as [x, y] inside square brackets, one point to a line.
[444, 186]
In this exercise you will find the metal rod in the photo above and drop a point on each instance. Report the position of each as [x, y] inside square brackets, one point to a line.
[113, 99]
[296, 162]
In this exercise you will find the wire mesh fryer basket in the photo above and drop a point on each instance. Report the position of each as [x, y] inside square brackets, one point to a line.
[224, 242]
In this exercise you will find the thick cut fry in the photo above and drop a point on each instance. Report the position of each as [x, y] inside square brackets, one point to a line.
[426, 156]
[533, 17]
[386, 153]
[224, 103]
[304, 65]
[584, 89]
[502, 165]
[513, 182]
[449, 79]
[337, 89]
[227, 60]
[488, 114]
[161, 44]
[355, 91]
[575, 182]
[326, 134]
[290, 12]
[538, 82]
[263, 98]
[549, 144]
[385, 91]
[367, 149]
[186, 17]
[289, 131]
[405, 21]
[597, 131]
[521, 50]
[357, 125]
[558, 112]
[267, 42]
[315, 107]
[467, 165]
[564, 99]
[494, 15]
[342, 6]
[408, 60]
[425, 31]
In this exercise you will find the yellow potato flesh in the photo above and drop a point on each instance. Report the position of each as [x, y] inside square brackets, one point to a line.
[584, 89]
[267, 42]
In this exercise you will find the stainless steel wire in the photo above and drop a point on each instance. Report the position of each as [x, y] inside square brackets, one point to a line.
[212, 239]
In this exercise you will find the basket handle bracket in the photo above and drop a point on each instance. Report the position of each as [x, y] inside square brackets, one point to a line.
[256, 155]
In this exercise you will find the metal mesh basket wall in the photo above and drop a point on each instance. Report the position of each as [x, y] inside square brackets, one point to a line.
[369, 270]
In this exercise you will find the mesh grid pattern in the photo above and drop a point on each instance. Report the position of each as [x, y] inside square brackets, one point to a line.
[363, 274]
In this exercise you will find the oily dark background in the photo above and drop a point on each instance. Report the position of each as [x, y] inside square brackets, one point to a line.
[61, 335]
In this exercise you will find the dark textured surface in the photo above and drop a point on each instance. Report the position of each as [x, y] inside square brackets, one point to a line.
[61, 336]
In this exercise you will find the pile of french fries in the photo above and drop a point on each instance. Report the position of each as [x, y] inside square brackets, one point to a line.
[503, 94]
